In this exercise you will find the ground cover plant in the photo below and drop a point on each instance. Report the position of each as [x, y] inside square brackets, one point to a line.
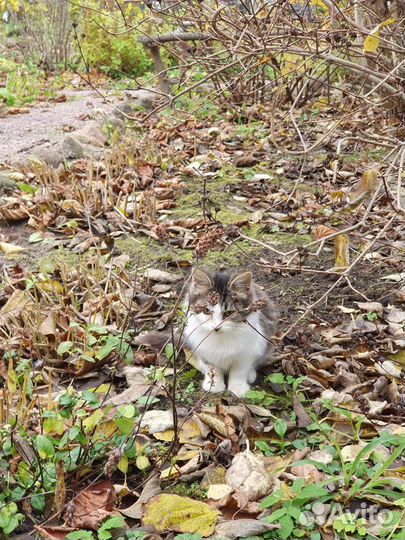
[270, 153]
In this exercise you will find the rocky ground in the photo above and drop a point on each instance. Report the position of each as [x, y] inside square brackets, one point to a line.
[55, 130]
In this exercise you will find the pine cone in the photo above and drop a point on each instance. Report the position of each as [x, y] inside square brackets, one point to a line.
[207, 241]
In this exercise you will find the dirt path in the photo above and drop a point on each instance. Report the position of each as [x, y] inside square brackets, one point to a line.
[48, 122]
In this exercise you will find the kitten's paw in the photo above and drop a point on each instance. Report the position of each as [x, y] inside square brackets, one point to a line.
[213, 386]
[239, 389]
[252, 376]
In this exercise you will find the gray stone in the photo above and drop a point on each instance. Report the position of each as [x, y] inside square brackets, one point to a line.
[92, 134]
[139, 100]
[71, 148]
[114, 122]
[7, 185]
[49, 156]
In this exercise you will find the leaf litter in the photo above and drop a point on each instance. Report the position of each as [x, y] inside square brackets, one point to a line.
[99, 415]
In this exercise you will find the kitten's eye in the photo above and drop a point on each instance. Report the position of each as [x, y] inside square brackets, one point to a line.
[207, 311]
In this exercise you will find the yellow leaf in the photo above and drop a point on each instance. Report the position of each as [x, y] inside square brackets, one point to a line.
[342, 251]
[10, 249]
[142, 462]
[169, 512]
[105, 430]
[170, 472]
[189, 430]
[367, 183]
[51, 286]
[91, 421]
[166, 436]
[186, 456]
[372, 41]
[398, 357]
[123, 464]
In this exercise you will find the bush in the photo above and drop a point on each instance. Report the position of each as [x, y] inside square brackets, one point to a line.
[109, 42]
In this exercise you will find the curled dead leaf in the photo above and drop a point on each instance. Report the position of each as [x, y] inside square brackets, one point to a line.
[248, 476]
[168, 512]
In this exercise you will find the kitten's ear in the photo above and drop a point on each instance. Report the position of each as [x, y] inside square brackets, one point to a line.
[201, 282]
[241, 284]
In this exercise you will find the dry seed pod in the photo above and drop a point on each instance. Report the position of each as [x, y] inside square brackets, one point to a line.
[207, 241]
[112, 463]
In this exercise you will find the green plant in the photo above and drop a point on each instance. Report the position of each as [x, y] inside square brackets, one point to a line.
[289, 509]
[94, 343]
[348, 523]
[10, 518]
[105, 41]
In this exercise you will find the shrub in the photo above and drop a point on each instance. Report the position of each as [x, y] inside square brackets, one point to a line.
[108, 41]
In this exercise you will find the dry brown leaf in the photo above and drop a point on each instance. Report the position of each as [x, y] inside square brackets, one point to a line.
[47, 327]
[151, 488]
[249, 478]
[92, 506]
[304, 420]
[53, 533]
[342, 251]
[241, 528]
[322, 231]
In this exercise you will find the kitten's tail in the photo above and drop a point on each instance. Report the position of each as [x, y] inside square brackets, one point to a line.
[158, 340]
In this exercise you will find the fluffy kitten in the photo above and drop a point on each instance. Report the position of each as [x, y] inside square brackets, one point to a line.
[229, 326]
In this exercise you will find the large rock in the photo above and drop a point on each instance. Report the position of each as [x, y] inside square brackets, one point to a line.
[7, 185]
[50, 156]
[139, 100]
[91, 134]
[112, 122]
[71, 148]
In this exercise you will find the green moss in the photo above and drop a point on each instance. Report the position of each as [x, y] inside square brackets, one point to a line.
[60, 256]
[367, 154]
[188, 490]
[143, 250]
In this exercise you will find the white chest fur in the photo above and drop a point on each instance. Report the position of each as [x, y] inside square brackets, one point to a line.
[232, 344]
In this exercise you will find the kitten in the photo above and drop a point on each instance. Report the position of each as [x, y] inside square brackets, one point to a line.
[229, 326]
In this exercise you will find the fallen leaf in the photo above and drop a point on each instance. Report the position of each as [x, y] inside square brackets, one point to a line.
[47, 327]
[157, 421]
[241, 528]
[248, 476]
[304, 420]
[321, 231]
[10, 249]
[169, 512]
[154, 274]
[218, 491]
[53, 533]
[92, 506]
[151, 488]
[376, 307]
[342, 251]
[351, 451]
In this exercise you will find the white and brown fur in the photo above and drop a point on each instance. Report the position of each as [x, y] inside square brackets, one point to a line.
[225, 331]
